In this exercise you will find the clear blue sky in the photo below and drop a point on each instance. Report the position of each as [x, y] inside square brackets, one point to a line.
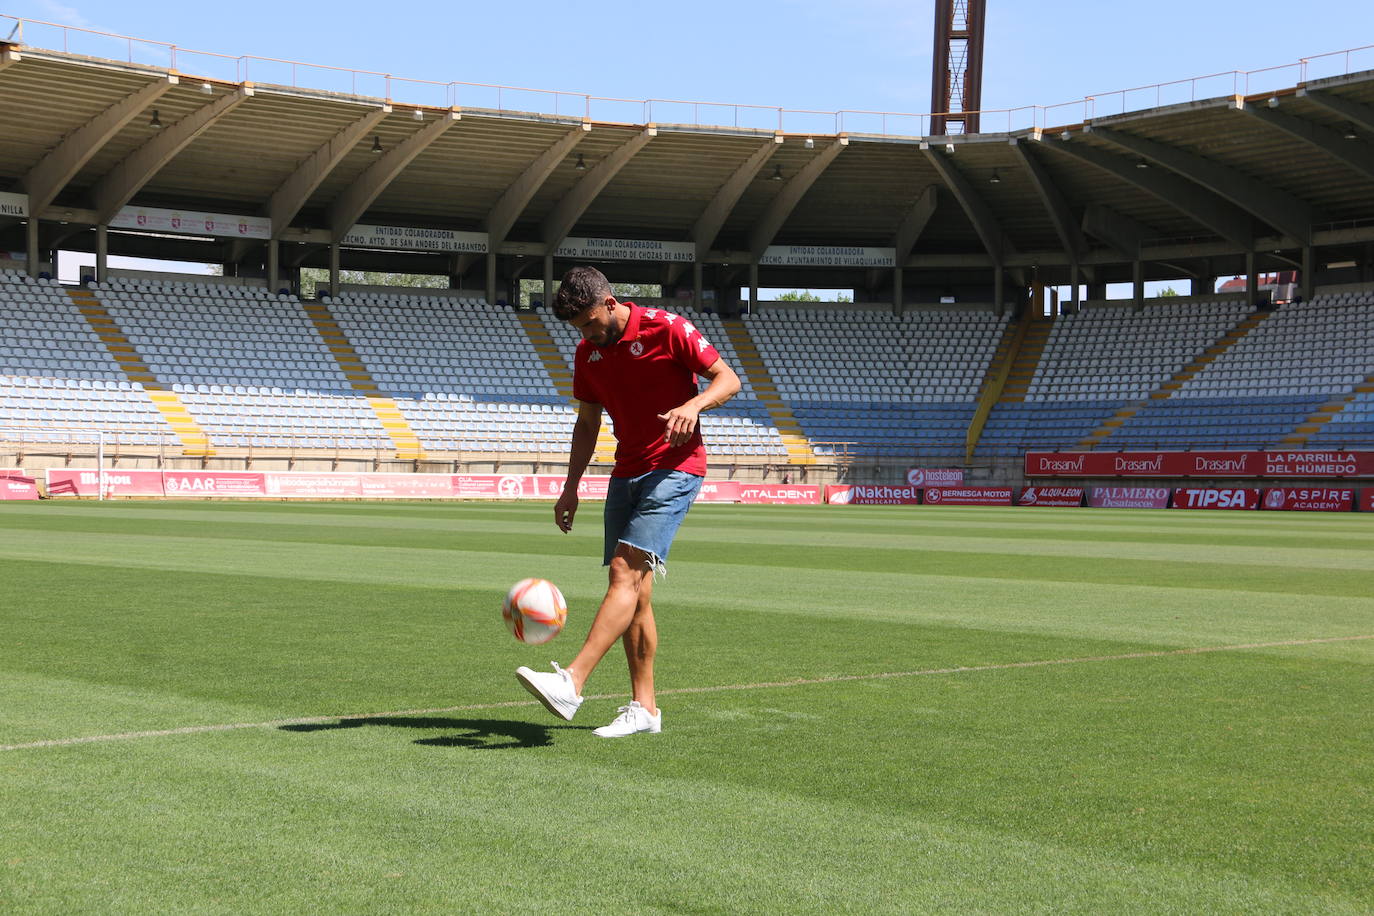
[798, 54]
[802, 54]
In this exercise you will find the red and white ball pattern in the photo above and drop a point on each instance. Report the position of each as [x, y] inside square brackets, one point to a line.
[535, 610]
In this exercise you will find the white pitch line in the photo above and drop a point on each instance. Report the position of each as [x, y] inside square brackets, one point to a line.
[763, 685]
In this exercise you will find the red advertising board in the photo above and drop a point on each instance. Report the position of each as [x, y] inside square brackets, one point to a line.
[1310, 499]
[1129, 498]
[213, 483]
[1367, 500]
[406, 486]
[87, 482]
[967, 496]
[15, 484]
[719, 491]
[778, 494]
[858, 494]
[935, 477]
[1216, 498]
[1200, 464]
[1050, 496]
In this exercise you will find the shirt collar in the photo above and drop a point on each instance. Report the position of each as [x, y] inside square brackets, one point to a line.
[632, 323]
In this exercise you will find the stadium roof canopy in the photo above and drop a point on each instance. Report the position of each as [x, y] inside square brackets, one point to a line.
[1201, 188]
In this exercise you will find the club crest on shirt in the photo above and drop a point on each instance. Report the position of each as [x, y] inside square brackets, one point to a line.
[636, 348]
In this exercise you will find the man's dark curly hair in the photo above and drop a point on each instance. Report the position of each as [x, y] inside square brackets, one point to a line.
[582, 287]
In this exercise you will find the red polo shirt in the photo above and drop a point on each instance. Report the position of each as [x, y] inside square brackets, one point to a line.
[650, 370]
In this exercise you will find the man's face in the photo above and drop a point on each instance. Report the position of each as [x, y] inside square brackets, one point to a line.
[597, 324]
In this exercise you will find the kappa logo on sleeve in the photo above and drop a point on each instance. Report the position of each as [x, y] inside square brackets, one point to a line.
[702, 344]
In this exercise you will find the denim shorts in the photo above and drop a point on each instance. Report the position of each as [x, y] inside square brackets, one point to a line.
[645, 512]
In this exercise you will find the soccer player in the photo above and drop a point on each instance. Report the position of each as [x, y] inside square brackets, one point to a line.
[640, 365]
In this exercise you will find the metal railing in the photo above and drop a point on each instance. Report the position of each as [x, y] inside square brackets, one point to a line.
[571, 104]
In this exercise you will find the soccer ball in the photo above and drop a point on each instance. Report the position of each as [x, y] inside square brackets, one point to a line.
[534, 610]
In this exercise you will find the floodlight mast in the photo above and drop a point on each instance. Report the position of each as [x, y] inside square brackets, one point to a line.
[956, 83]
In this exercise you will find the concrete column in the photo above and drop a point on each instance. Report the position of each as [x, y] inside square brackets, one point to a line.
[273, 265]
[999, 293]
[1138, 284]
[1251, 278]
[548, 280]
[753, 286]
[1307, 282]
[31, 239]
[334, 268]
[897, 290]
[1074, 276]
[697, 271]
[102, 253]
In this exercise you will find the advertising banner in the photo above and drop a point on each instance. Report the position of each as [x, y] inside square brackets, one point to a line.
[1200, 464]
[1129, 498]
[213, 483]
[1367, 500]
[189, 222]
[719, 491]
[857, 494]
[415, 238]
[1310, 499]
[405, 486]
[86, 482]
[935, 477]
[314, 486]
[780, 494]
[1216, 498]
[967, 496]
[14, 204]
[827, 256]
[581, 249]
[1050, 496]
[15, 484]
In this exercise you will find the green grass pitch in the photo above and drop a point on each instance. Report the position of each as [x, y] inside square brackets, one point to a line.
[312, 708]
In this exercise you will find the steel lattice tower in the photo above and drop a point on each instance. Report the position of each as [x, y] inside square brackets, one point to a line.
[956, 84]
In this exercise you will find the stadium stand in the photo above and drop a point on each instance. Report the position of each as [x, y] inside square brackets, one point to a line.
[57, 378]
[1267, 383]
[1097, 361]
[876, 384]
[246, 363]
[463, 374]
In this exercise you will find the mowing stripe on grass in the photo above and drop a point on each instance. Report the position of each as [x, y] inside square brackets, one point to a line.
[766, 685]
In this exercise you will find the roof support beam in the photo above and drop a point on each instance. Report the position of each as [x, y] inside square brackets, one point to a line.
[1116, 229]
[786, 200]
[914, 223]
[1288, 214]
[569, 210]
[517, 197]
[1197, 203]
[353, 202]
[1359, 114]
[292, 194]
[1358, 156]
[979, 213]
[9, 57]
[1055, 203]
[709, 223]
[125, 180]
[52, 173]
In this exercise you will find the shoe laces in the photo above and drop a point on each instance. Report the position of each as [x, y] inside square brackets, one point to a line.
[627, 713]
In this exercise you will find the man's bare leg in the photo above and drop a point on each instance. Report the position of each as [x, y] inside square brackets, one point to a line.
[641, 644]
[629, 571]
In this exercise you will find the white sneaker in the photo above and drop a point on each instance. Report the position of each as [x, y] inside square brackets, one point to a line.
[632, 720]
[555, 690]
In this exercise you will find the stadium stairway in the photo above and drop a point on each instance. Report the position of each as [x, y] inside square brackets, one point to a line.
[397, 428]
[194, 441]
[561, 376]
[799, 448]
[1166, 390]
[1314, 423]
[994, 382]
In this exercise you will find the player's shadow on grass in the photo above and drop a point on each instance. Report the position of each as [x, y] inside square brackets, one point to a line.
[478, 734]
